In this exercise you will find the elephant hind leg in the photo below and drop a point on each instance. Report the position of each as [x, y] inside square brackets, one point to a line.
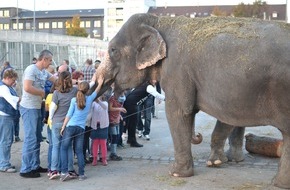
[235, 152]
[218, 138]
[282, 179]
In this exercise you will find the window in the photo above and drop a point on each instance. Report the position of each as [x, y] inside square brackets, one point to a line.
[1, 26]
[60, 24]
[28, 26]
[119, 23]
[111, 11]
[54, 25]
[82, 24]
[88, 24]
[274, 14]
[40, 25]
[20, 26]
[119, 11]
[97, 23]
[6, 13]
[6, 26]
[46, 25]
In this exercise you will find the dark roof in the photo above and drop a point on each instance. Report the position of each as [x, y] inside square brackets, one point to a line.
[202, 11]
[62, 13]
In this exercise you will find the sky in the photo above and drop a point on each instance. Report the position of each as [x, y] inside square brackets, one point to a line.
[92, 4]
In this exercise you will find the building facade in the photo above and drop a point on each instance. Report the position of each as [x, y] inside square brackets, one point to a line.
[104, 23]
[53, 21]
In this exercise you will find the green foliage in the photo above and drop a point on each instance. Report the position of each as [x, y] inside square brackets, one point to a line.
[255, 10]
[217, 12]
[73, 27]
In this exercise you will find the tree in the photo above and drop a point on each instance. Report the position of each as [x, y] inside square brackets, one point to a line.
[256, 10]
[218, 12]
[73, 27]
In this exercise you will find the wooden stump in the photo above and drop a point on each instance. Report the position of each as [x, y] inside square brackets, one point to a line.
[266, 146]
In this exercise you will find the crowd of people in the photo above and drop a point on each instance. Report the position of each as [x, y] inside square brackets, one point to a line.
[78, 124]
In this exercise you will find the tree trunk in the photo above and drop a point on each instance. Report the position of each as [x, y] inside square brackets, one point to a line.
[266, 146]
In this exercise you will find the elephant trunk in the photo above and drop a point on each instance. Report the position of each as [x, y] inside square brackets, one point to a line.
[196, 139]
[108, 78]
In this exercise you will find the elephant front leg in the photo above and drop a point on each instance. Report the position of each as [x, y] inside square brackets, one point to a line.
[282, 179]
[218, 139]
[181, 130]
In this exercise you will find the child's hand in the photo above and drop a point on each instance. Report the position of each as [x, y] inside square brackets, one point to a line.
[61, 131]
[123, 110]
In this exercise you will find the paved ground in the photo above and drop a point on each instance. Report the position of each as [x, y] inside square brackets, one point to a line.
[147, 168]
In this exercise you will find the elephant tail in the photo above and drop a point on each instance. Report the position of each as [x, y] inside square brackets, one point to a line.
[196, 139]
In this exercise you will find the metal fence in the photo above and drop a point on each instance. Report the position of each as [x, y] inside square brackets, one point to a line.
[19, 47]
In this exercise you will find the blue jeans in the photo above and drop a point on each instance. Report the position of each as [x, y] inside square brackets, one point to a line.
[16, 126]
[56, 144]
[76, 134]
[32, 124]
[49, 148]
[6, 140]
[149, 102]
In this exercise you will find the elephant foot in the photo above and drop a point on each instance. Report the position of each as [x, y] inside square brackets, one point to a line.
[178, 170]
[282, 182]
[216, 158]
[235, 155]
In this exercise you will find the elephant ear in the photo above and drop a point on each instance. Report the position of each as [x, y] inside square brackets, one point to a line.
[151, 47]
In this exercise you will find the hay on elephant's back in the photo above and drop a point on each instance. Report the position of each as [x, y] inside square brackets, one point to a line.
[200, 30]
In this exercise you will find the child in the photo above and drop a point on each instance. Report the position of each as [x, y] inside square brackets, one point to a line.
[48, 100]
[99, 124]
[115, 108]
[74, 126]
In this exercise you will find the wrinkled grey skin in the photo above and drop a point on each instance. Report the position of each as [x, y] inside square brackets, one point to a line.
[238, 72]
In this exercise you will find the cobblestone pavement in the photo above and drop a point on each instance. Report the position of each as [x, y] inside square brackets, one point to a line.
[147, 167]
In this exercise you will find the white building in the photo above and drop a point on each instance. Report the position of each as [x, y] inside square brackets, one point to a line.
[117, 12]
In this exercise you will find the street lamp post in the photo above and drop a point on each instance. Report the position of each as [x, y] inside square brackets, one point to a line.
[17, 17]
[287, 11]
[33, 16]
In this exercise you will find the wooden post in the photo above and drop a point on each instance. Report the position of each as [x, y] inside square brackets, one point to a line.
[266, 146]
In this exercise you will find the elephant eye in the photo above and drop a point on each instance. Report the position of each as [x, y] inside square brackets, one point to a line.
[114, 53]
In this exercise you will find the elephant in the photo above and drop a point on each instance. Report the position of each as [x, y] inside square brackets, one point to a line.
[234, 69]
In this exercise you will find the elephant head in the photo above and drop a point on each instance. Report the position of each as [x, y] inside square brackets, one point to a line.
[138, 45]
[135, 55]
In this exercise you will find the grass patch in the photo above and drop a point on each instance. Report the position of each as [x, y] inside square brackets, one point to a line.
[171, 180]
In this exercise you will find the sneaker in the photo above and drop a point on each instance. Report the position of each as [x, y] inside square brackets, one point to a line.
[73, 174]
[139, 134]
[17, 139]
[82, 177]
[54, 175]
[87, 161]
[120, 145]
[135, 144]
[49, 173]
[64, 177]
[31, 174]
[104, 162]
[41, 170]
[115, 157]
[146, 137]
[9, 170]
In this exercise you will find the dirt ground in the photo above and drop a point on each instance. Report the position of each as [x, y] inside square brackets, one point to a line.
[147, 167]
